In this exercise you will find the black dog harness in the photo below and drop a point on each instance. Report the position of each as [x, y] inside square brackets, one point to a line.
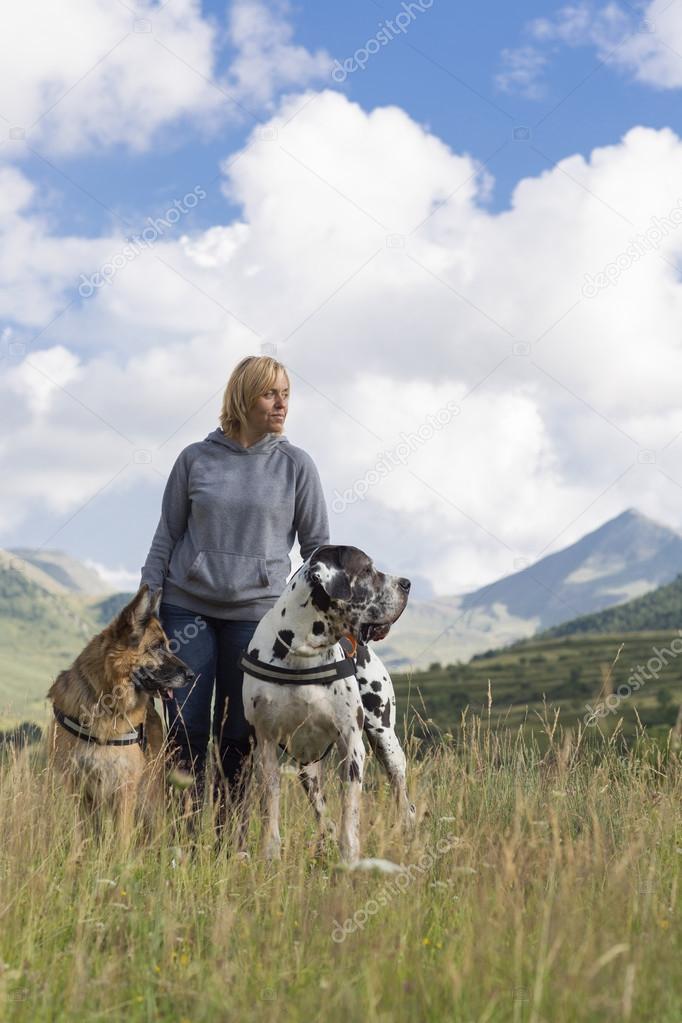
[322, 675]
[81, 732]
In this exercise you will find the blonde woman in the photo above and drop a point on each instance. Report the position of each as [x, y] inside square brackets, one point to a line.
[231, 508]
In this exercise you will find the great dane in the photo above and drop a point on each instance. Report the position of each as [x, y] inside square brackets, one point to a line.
[302, 694]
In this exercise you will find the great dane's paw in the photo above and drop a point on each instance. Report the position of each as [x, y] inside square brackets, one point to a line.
[272, 850]
[349, 855]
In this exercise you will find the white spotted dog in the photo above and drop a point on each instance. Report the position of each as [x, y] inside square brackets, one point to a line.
[301, 692]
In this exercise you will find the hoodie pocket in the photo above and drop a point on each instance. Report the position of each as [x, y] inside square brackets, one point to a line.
[227, 576]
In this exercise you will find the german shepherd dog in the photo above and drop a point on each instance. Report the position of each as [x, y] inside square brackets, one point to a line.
[106, 738]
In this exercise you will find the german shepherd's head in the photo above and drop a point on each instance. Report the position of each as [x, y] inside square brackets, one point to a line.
[113, 680]
[139, 648]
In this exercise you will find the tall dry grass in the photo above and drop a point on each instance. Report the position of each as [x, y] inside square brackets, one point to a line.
[541, 884]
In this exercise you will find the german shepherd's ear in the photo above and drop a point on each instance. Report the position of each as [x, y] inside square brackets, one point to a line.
[156, 601]
[137, 614]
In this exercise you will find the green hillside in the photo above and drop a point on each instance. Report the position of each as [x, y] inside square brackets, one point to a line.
[533, 679]
[659, 609]
[563, 668]
[40, 633]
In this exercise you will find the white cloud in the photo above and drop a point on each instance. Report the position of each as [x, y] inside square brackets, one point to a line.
[644, 43]
[585, 22]
[38, 380]
[522, 71]
[379, 324]
[119, 579]
[16, 192]
[652, 53]
[267, 60]
[81, 75]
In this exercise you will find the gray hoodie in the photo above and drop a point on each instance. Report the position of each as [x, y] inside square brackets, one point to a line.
[228, 519]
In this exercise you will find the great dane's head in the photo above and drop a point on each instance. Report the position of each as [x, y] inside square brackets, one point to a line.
[351, 595]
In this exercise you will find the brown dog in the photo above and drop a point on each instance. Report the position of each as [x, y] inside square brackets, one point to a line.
[106, 738]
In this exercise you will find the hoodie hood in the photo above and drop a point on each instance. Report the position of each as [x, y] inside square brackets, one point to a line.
[261, 447]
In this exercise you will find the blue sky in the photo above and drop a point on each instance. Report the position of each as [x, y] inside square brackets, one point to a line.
[442, 72]
[432, 132]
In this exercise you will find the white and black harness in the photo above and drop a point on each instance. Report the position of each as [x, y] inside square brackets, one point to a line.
[323, 674]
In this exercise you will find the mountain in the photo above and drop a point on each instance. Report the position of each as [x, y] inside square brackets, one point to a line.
[626, 557]
[69, 574]
[13, 564]
[105, 610]
[660, 609]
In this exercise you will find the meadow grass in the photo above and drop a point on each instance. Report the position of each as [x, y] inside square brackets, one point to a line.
[540, 884]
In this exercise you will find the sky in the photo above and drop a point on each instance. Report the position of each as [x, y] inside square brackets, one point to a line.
[458, 226]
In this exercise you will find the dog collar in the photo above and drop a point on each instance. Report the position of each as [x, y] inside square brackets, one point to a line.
[81, 732]
[349, 638]
[323, 674]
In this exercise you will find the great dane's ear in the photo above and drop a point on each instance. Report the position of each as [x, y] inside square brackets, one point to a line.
[327, 570]
[336, 584]
[131, 622]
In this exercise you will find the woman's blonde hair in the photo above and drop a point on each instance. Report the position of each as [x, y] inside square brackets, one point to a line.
[250, 378]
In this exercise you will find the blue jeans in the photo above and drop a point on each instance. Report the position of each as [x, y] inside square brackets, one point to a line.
[211, 648]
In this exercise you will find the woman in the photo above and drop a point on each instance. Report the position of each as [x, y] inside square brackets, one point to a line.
[232, 505]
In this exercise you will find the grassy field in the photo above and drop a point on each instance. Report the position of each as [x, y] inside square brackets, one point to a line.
[541, 884]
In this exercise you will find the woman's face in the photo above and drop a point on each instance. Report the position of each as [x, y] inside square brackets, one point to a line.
[270, 409]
